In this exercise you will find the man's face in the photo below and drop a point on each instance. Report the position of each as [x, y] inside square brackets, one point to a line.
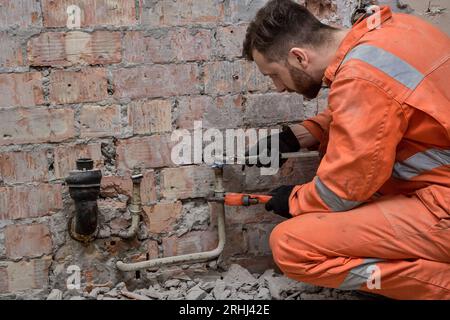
[287, 77]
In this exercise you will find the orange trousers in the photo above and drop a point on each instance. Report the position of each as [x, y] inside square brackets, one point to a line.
[396, 246]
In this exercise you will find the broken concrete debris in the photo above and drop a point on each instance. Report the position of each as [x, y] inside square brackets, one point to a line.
[237, 283]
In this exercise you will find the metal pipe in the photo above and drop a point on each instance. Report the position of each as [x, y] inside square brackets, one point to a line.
[186, 258]
[192, 257]
[84, 189]
[135, 209]
[286, 155]
[219, 193]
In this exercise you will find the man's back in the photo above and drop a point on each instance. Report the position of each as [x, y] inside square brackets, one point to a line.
[408, 59]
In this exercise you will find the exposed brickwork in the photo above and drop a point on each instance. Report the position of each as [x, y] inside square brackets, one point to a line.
[29, 201]
[27, 241]
[24, 14]
[104, 12]
[162, 216]
[157, 81]
[87, 85]
[69, 48]
[29, 94]
[37, 125]
[24, 166]
[144, 152]
[100, 121]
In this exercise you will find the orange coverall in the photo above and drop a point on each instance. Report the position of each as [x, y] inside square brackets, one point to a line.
[376, 217]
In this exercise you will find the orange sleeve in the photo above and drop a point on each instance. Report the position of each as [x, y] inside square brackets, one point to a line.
[366, 126]
[318, 125]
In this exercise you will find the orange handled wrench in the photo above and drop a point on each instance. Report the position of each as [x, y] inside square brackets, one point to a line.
[244, 199]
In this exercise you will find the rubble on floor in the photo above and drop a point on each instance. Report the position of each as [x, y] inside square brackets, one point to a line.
[235, 284]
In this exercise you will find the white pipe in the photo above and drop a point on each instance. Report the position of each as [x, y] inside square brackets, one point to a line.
[186, 258]
[132, 230]
[135, 209]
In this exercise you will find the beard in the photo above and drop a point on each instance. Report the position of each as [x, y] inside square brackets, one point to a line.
[304, 83]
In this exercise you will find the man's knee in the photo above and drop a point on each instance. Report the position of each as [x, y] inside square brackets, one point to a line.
[288, 245]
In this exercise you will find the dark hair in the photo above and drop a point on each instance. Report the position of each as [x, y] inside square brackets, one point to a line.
[280, 25]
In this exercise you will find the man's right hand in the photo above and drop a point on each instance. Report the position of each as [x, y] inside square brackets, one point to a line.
[288, 142]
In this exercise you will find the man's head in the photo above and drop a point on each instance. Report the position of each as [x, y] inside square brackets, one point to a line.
[291, 46]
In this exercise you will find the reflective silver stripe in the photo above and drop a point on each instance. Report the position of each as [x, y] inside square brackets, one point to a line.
[358, 275]
[385, 61]
[332, 200]
[420, 163]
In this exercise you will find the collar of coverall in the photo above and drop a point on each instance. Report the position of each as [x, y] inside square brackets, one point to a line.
[358, 30]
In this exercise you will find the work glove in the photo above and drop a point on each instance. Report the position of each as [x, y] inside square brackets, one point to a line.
[288, 142]
[279, 203]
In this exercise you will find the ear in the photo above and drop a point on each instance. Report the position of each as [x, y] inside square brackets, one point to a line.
[298, 58]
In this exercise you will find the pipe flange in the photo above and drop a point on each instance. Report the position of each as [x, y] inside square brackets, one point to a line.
[79, 237]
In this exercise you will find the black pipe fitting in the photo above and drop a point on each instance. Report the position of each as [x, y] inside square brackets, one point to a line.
[84, 188]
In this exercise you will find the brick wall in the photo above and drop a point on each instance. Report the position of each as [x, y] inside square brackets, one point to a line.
[114, 89]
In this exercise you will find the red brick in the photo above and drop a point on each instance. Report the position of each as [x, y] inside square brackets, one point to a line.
[192, 242]
[100, 121]
[18, 126]
[236, 241]
[167, 46]
[264, 109]
[191, 109]
[172, 12]
[321, 9]
[294, 171]
[250, 215]
[21, 89]
[87, 85]
[27, 241]
[66, 156]
[258, 238]
[144, 152]
[156, 81]
[102, 12]
[233, 77]
[220, 113]
[162, 217]
[226, 112]
[24, 166]
[29, 201]
[66, 49]
[3, 280]
[152, 250]
[153, 116]
[229, 41]
[109, 207]
[28, 274]
[187, 182]
[112, 186]
[242, 11]
[23, 14]
[10, 51]
[119, 224]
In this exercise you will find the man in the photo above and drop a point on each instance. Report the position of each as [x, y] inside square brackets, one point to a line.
[377, 215]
